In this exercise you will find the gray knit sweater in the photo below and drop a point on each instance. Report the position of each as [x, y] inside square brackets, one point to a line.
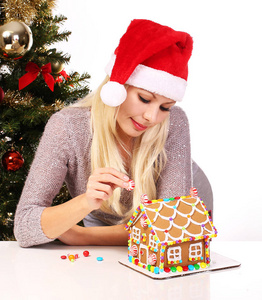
[63, 155]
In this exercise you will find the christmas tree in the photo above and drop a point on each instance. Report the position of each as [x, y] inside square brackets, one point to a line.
[33, 85]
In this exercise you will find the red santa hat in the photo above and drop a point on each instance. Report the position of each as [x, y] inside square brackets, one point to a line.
[149, 56]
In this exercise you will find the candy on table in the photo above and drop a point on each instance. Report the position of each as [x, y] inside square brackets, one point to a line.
[131, 185]
[99, 258]
[71, 257]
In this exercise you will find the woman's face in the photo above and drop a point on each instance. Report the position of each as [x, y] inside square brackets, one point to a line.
[141, 110]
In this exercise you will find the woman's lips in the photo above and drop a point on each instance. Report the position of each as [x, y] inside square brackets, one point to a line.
[139, 126]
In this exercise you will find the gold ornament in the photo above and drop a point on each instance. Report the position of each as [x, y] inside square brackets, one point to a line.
[15, 39]
[57, 67]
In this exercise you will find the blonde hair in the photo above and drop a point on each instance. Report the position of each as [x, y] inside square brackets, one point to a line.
[147, 159]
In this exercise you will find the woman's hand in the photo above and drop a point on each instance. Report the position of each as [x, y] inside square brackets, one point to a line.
[57, 220]
[101, 184]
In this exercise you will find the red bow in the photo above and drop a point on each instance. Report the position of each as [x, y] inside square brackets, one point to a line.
[64, 74]
[33, 71]
[59, 78]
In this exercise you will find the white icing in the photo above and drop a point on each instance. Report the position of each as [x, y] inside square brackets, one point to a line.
[195, 250]
[176, 212]
[136, 233]
[152, 242]
[174, 253]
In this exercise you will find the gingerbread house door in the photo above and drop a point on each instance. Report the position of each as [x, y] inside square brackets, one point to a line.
[143, 254]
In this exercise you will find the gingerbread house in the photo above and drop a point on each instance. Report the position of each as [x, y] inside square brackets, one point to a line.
[169, 235]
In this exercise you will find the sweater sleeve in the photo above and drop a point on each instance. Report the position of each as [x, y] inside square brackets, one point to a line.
[44, 181]
[175, 179]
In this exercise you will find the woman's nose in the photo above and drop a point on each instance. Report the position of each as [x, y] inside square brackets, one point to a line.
[151, 114]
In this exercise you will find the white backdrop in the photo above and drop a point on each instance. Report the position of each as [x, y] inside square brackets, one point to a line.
[223, 98]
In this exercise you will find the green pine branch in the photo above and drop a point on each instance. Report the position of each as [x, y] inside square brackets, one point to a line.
[24, 114]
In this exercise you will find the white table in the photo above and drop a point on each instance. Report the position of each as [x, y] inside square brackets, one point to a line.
[39, 273]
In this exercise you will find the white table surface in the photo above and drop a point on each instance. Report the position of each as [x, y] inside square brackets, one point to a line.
[39, 273]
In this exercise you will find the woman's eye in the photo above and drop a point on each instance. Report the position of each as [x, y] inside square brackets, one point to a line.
[143, 99]
[164, 108]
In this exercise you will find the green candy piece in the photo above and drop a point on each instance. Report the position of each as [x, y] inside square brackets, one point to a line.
[196, 266]
[173, 269]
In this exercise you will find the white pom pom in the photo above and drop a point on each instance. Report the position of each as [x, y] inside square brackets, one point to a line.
[113, 93]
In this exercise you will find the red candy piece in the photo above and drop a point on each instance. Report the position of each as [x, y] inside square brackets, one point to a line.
[86, 253]
[131, 185]
[143, 222]
[185, 268]
[193, 192]
[167, 270]
[133, 250]
[144, 199]
[63, 257]
[152, 259]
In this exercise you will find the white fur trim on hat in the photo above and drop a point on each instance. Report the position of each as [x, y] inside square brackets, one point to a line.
[113, 93]
[154, 81]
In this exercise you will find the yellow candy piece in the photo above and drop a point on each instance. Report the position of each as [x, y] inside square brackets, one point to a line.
[203, 265]
[179, 269]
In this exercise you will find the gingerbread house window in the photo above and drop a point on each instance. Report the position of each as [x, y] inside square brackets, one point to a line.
[136, 234]
[174, 253]
[195, 250]
[152, 242]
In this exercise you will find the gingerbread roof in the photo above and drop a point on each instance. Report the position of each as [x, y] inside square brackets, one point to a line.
[176, 220]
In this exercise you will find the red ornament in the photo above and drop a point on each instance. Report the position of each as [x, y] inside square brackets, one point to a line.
[12, 160]
[2, 94]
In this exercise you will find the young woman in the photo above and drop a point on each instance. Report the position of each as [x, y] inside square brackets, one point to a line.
[128, 129]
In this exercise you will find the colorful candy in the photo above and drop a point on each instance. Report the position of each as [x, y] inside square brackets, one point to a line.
[86, 253]
[71, 257]
[193, 192]
[144, 199]
[152, 259]
[131, 185]
[179, 269]
[133, 250]
[143, 222]
[99, 258]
